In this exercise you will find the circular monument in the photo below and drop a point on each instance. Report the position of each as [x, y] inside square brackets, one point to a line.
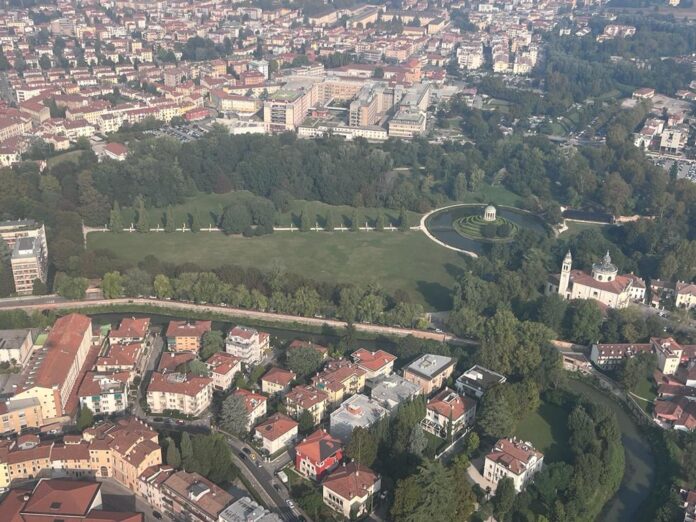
[470, 227]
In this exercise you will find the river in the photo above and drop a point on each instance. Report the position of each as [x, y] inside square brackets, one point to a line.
[639, 474]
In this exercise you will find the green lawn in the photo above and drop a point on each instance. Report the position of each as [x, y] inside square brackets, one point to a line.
[496, 194]
[394, 260]
[72, 155]
[646, 389]
[547, 430]
[575, 228]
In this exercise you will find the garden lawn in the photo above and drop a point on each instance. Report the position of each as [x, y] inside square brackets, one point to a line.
[394, 260]
[73, 156]
[547, 430]
[646, 390]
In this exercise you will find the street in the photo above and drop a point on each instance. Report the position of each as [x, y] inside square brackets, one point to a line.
[53, 302]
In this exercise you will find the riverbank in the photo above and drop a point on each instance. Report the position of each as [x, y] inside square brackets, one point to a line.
[639, 475]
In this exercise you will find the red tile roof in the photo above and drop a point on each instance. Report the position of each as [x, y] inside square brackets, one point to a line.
[513, 454]
[62, 345]
[56, 498]
[279, 376]
[188, 328]
[170, 360]
[318, 446]
[450, 404]
[351, 480]
[276, 426]
[372, 361]
[306, 396]
[251, 399]
[190, 384]
[132, 328]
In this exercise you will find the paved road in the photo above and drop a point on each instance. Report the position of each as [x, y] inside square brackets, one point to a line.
[261, 478]
[57, 303]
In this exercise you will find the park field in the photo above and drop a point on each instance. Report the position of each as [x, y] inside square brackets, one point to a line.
[395, 260]
[547, 430]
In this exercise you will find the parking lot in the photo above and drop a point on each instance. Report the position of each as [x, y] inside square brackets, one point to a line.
[182, 133]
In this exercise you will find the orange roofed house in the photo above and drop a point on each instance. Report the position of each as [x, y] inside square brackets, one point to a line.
[256, 405]
[276, 432]
[53, 372]
[448, 413]
[223, 367]
[60, 499]
[277, 380]
[131, 330]
[515, 459]
[317, 455]
[307, 398]
[186, 336]
[350, 489]
[377, 364]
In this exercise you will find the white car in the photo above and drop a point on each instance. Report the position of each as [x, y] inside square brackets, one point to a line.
[290, 503]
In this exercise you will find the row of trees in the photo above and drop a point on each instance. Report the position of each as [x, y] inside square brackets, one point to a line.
[351, 303]
[208, 455]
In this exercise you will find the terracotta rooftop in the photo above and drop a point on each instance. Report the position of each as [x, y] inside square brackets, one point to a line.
[190, 385]
[188, 328]
[514, 455]
[306, 396]
[276, 426]
[251, 400]
[319, 446]
[372, 361]
[351, 480]
[279, 376]
[450, 404]
[131, 327]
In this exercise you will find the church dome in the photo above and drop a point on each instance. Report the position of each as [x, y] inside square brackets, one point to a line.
[605, 270]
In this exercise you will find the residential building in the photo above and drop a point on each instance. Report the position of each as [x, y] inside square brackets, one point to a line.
[669, 354]
[391, 391]
[356, 411]
[256, 405]
[477, 380]
[448, 413]
[605, 284]
[116, 151]
[277, 380]
[340, 378]
[307, 398]
[53, 370]
[276, 432]
[223, 367]
[18, 414]
[429, 372]
[150, 485]
[26, 240]
[28, 265]
[317, 455]
[104, 393]
[186, 336]
[685, 295]
[131, 330]
[192, 497]
[297, 343]
[246, 510]
[678, 413]
[61, 499]
[350, 489]
[611, 356]
[186, 393]
[248, 344]
[515, 459]
[376, 364]
[15, 345]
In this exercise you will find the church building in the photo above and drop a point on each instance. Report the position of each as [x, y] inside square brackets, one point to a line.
[605, 284]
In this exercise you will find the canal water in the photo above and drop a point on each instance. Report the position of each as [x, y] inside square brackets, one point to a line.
[440, 225]
[638, 474]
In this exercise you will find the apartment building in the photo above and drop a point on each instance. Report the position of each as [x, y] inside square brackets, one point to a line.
[407, 124]
[429, 372]
[339, 379]
[193, 498]
[256, 405]
[223, 367]
[53, 370]
[186, 336]
[477, 380]
[391, 391]
[286, 109]
[18, 414]
[131, 330]
[185, 393]
[515, 459]
[307, 398]
[27, 265]
[248, 344]
[26, 240]
[104, 393]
